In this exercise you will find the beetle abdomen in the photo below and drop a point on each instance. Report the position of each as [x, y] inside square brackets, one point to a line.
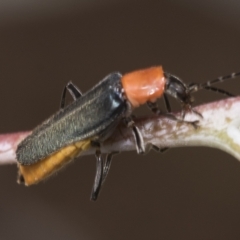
[32, 174]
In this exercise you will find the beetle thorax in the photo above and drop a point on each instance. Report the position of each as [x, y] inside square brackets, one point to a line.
[144, 85]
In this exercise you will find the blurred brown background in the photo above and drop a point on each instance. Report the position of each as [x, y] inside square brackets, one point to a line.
[186, 193]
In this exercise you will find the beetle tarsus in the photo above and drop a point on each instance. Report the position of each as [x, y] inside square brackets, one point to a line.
[157, 149]
[174, 118]
[98, 177]
[102, 169]
[139, 140]
[167, 103]
[73, 90]
[197, 113]
[140, 145]
[107, 165]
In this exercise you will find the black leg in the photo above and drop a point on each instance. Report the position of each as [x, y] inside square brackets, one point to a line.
[140, 146]
[139, 140]
[73, 90]
[107, 165]
[98, 176]
[102, 169]
[161, 150]
[154, 107]
[167, 103]
[188, 108]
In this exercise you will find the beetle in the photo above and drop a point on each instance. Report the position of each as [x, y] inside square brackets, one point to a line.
[92, 117]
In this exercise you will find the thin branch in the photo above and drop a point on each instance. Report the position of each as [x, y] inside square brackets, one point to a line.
[8, 146]
[219, 128]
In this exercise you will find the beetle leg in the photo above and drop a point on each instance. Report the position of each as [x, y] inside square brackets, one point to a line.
[98, 176]
[107, 165]
[167, 103]
[161, 150]
[101, 173]
[73, 90]
[154, 107]
[188, 108]
[139, 140]
[140, 146]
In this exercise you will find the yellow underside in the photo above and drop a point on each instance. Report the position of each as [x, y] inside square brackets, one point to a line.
[36, 172]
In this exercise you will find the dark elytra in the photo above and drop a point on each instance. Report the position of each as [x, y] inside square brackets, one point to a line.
[94, 115]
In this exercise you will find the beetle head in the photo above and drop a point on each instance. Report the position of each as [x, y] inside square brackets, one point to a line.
[176, 88]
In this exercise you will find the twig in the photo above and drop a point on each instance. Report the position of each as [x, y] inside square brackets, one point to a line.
[219, 128]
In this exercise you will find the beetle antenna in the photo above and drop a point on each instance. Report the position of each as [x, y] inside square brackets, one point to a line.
[207, 85]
